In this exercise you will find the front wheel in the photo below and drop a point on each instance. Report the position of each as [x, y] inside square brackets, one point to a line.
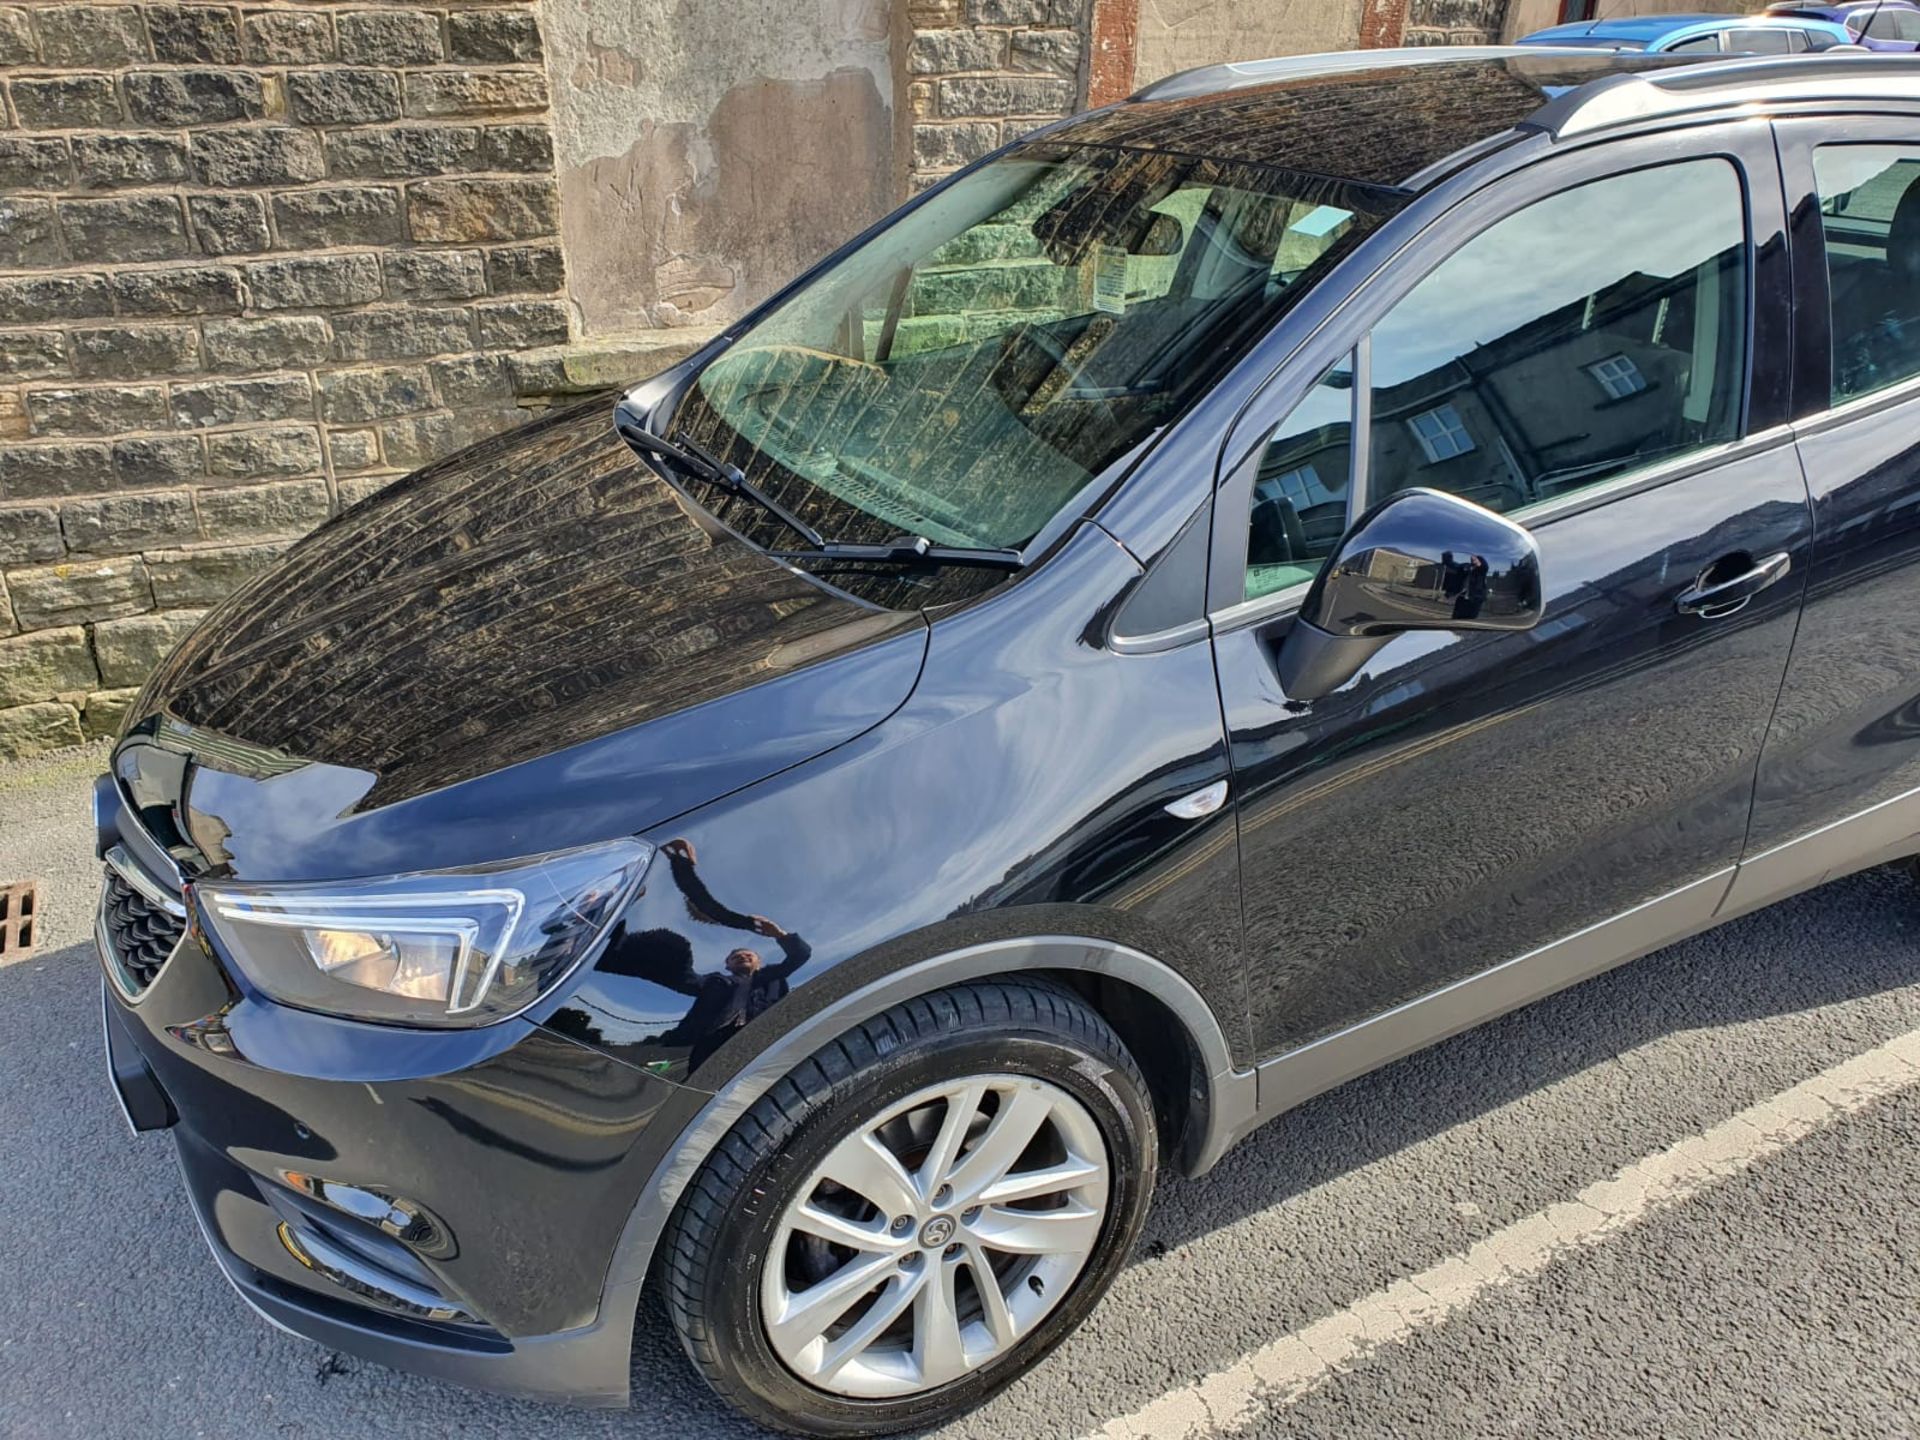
[917, 1214]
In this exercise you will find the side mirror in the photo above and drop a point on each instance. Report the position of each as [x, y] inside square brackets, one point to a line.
[1419, 560]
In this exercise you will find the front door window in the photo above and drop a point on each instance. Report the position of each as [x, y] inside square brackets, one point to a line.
[1587, 336]
[1591, 334]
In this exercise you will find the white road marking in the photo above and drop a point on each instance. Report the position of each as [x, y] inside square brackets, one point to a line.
[1278, 1374]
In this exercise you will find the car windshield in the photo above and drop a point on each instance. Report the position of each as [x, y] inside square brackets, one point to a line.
[973, 366]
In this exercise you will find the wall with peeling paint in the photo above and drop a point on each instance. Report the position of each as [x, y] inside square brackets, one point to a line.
[1179, 34]
[708, 149]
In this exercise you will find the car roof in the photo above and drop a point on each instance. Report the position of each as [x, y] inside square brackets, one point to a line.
[1395, 119]
[1372, 117]
[1642, 28]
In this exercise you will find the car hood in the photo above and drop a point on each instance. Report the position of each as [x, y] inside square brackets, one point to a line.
[532, 644]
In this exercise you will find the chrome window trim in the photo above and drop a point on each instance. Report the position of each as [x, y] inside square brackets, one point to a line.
[1266, 607]
[1545, 512]
[1157, 641]
[1360, 441]
[1652, 477]
[1859, 407]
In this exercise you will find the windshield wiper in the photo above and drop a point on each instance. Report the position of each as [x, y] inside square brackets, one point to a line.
[907, 550]
[685, 455]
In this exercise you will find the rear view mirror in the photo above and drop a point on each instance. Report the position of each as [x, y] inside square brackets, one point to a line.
[1419, 560]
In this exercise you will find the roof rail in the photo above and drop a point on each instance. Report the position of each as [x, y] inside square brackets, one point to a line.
[1714, 84]
[1241, 74]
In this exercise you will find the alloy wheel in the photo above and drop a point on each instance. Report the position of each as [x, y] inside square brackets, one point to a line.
[934, 1238]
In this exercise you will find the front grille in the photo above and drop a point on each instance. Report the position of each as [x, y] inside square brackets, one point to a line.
[141, 934]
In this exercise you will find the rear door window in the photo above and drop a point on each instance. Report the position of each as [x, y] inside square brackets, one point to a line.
[1870, 212]
[1595, 332]
[1772, 41]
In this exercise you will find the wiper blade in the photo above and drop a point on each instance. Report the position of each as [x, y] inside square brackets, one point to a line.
[685, 455]
[908, 550]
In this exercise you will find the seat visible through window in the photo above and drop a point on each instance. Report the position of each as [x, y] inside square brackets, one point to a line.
[1299, 509]
[1870, 210]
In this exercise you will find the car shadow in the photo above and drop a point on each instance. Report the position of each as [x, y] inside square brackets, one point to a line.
[176, 1332]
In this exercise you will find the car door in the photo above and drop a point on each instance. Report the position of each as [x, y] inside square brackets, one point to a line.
[1839, 783]
[1596, 346]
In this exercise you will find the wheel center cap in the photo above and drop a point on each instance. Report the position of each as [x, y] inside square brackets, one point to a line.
[937, 1232]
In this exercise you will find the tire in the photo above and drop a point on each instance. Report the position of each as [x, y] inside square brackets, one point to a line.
[741, 1258]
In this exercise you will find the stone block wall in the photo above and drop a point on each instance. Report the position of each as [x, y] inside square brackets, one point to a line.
[255, 261]
[259, 257]
[982, 72]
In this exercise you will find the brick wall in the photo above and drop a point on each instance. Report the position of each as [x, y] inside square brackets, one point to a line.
[255, 260]
[981, 72]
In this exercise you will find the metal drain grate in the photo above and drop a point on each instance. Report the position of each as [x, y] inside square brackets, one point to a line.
[19, 920]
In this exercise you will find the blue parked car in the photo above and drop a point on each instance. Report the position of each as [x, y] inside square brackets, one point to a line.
[1700, 34]
[1876, 24]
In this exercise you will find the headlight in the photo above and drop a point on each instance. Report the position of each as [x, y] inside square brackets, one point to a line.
[449, 947]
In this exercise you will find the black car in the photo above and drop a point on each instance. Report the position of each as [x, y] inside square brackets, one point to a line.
[1228, 590]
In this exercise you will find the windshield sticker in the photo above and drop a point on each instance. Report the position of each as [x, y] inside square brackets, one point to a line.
[1110, 279]
[1321, 221]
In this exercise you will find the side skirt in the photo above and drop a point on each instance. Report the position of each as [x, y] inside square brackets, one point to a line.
[1299, 1075]
[1887, 831]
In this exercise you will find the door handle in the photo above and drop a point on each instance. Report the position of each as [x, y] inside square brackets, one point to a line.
[1724, 597]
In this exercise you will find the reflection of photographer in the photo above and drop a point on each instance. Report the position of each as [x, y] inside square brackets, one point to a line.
[1466, 583]
[725, 999]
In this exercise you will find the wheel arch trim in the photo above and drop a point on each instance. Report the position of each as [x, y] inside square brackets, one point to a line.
[1228, 1101]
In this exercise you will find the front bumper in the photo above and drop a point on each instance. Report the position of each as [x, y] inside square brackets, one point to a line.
[587, 1366]
[454, 1203]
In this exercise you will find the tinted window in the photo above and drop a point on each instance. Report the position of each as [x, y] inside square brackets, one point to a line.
[1761, 42]
[1299, 508]
[1870, 209]
[1587, 335]
[1698, 45]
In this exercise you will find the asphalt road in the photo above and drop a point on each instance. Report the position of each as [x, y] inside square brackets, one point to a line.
[1777, 1294]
